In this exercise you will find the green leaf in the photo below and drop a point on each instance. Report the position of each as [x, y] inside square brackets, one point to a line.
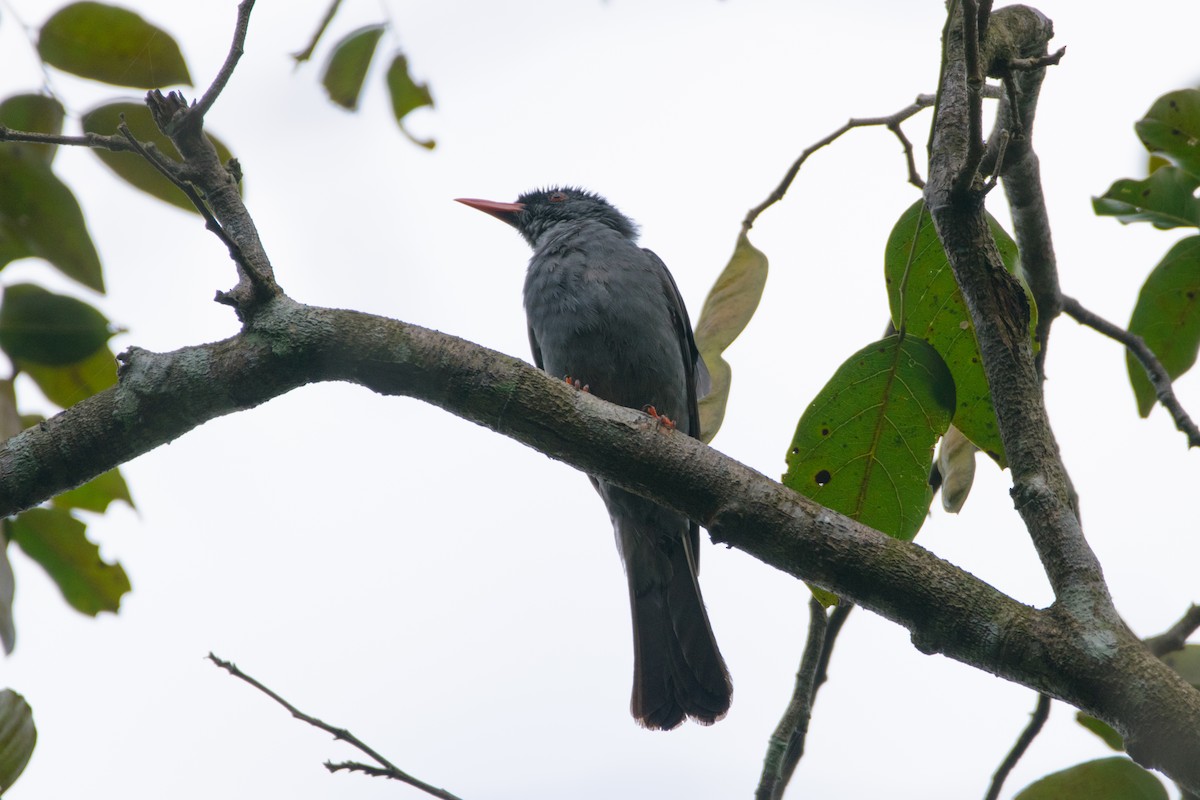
[865, 444]
[130, 166]
[305, 54]
[65, 386]
[1101, 729]
[52, 329]
[58, 542]
[39, 216]
[727, 310]
[348, 64]
[32, 113]
[18, 735]
[1186, 662]
[96, 494]
[1165, 199]
[407, 95]
[113, 45]
[926, 302]
[1114, 778]
[1172, 127]
[1167, 317]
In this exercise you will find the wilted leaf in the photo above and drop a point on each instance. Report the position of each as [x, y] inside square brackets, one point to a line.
[727, 310]
[1166, 199]
[306, 53]
[32, 113]
[1115, 778]
[926, 302]
[58, 542]
[865, 444]
[67, 385]
[956, 466]
[113, 45]
[1102, 729]
[130, 166]
[96, 494]
[348, 65]
[407, 95]
[52, 329]
[39, 216]
[1172, 127]
[18, 735]
[1167, 317]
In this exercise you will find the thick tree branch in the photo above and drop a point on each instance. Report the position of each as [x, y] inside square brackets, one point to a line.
[162, 396]
[1041, 488]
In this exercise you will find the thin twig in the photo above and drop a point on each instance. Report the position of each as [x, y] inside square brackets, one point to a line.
[789, 735]
[975, 83]
[1155, 371]
[991, 182]
[891, 122]
[95, 140]
[306, 53]
[1040, 712]
[1176, 636]
[1037, 62]
[389, 770]
[236, 49]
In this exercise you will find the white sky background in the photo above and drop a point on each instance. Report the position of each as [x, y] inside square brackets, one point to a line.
[454, 598]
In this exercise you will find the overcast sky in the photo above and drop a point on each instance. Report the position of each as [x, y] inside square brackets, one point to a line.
[454, 598]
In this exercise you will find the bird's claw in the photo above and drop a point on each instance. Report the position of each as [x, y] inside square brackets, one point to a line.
[662, 419]
[583, 387]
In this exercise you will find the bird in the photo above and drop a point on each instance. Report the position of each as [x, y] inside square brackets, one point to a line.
[606, 315]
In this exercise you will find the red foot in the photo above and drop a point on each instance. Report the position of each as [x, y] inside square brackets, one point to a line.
[661, 419]
[583, 387]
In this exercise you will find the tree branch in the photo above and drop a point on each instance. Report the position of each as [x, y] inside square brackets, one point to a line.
[389, 770]
[159, 397]
[1155, 371]
[1041, 711]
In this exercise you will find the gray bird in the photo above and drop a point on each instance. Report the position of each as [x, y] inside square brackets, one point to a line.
[607, 315]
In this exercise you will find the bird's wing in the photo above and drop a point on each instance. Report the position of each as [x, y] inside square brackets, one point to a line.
[698, 379]
[536, 348]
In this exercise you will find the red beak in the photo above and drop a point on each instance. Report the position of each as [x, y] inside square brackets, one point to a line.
[507, 212]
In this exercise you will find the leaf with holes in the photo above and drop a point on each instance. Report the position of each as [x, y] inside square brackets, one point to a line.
[1172, 127]
[97, 494]
[1167, 317]
[727, 310]
[1166, 199]
[1115, 778]
[131, 167]
[407, 95]
[348, 65]
[58, 542]
[865, 444]
[113, 45]
[926, 302]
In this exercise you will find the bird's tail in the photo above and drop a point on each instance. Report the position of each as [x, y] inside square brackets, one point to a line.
[678, 671]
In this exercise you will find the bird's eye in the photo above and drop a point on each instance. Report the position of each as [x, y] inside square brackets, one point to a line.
[557, 197]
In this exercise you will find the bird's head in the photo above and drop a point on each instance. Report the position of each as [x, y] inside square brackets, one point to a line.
[538, 211]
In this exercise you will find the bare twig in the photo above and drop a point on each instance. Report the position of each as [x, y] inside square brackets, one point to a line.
[975, 83]
[1037, 62]
[95, 140]
[1176, 636]
[236, 49]
[389, 770]
[787, 742]
[306, 53]
[891, 122]
[1040, 712]
[1155, 371]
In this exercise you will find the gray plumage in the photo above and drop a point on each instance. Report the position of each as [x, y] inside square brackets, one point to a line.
[607, 314]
